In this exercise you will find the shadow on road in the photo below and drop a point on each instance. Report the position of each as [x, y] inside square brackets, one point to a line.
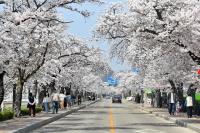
[103, 107]
[91, 112]
[153, 124]
[72, 119]
[56, 129]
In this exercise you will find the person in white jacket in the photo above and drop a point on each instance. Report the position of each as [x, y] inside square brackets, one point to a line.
[189, 105]
[46, 101]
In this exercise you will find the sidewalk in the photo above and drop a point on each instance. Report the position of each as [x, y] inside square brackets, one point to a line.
[180, 118]
[26, 123]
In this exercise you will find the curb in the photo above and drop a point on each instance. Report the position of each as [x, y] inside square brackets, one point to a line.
[34, 126]
[178, 122]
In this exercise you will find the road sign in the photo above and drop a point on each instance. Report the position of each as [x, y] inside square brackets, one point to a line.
[111, 81]
[198, 71]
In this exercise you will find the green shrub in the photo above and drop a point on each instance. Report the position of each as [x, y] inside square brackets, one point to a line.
[1, 116]
[8, 113]
[25, 111]
[5, 115]
[38, 109]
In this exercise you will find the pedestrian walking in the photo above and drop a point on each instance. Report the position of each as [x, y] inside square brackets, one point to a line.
[68, 98]
[31, 104]
[189, 105]
[55, 102]
[62, 100]
[46, 101]
[73, 99]
[172, 102]
[79, 99]
[178, 108]
[93, 97]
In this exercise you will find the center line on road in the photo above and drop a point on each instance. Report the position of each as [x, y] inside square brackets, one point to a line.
[111, 121]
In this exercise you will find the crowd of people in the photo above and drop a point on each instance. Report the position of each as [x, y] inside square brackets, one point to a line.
[176, 100]
[175, 105]
[53, 102]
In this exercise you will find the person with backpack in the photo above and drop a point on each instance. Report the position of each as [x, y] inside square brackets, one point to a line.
[31, 104]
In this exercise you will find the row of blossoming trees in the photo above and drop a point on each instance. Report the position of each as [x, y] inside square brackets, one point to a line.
[160, 37]
[36, 48]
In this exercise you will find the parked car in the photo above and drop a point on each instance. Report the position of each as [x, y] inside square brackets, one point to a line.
[117, 99]
[129, 98]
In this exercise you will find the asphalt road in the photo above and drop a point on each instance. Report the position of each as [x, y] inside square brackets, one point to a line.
[105, 117]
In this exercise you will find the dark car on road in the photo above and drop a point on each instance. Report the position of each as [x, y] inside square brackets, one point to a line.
[117, 99]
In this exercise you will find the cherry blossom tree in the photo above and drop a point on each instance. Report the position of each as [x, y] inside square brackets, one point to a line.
[157, 36]
[30, 33]
[73, 61]
[129, 81]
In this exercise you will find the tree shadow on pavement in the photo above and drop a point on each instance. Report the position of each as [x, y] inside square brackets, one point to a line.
[70, 130]
[153, 124]
[70, 124]
[103, 107]
[191, 121]
[72, 119]
[132, 113]
[91, 112]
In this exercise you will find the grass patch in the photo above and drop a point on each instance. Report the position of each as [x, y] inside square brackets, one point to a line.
[8, 113]
[25, 111]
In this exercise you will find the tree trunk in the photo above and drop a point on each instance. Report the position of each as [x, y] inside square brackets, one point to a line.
[39, 98]
[41, 94]
[51, 88]
[35, 88]
[67, 90]
[172, 85]
[14, 97]
[180, 93]
[1, 87]
[18, 98]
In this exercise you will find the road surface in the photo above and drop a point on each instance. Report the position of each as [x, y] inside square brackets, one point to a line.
[106, 117]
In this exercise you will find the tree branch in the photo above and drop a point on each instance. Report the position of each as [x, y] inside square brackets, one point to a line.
[172, 84]
[36, 4]
[158, 12]
[194, 57]
[116, 36]
[2, 2]
[60, 4]
[28, 4]
[70, 63]
[59, 20]
[149, 31]
[39, 65]
[67, 55]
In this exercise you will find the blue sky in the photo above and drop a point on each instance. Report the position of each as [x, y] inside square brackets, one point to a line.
[82, 27]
